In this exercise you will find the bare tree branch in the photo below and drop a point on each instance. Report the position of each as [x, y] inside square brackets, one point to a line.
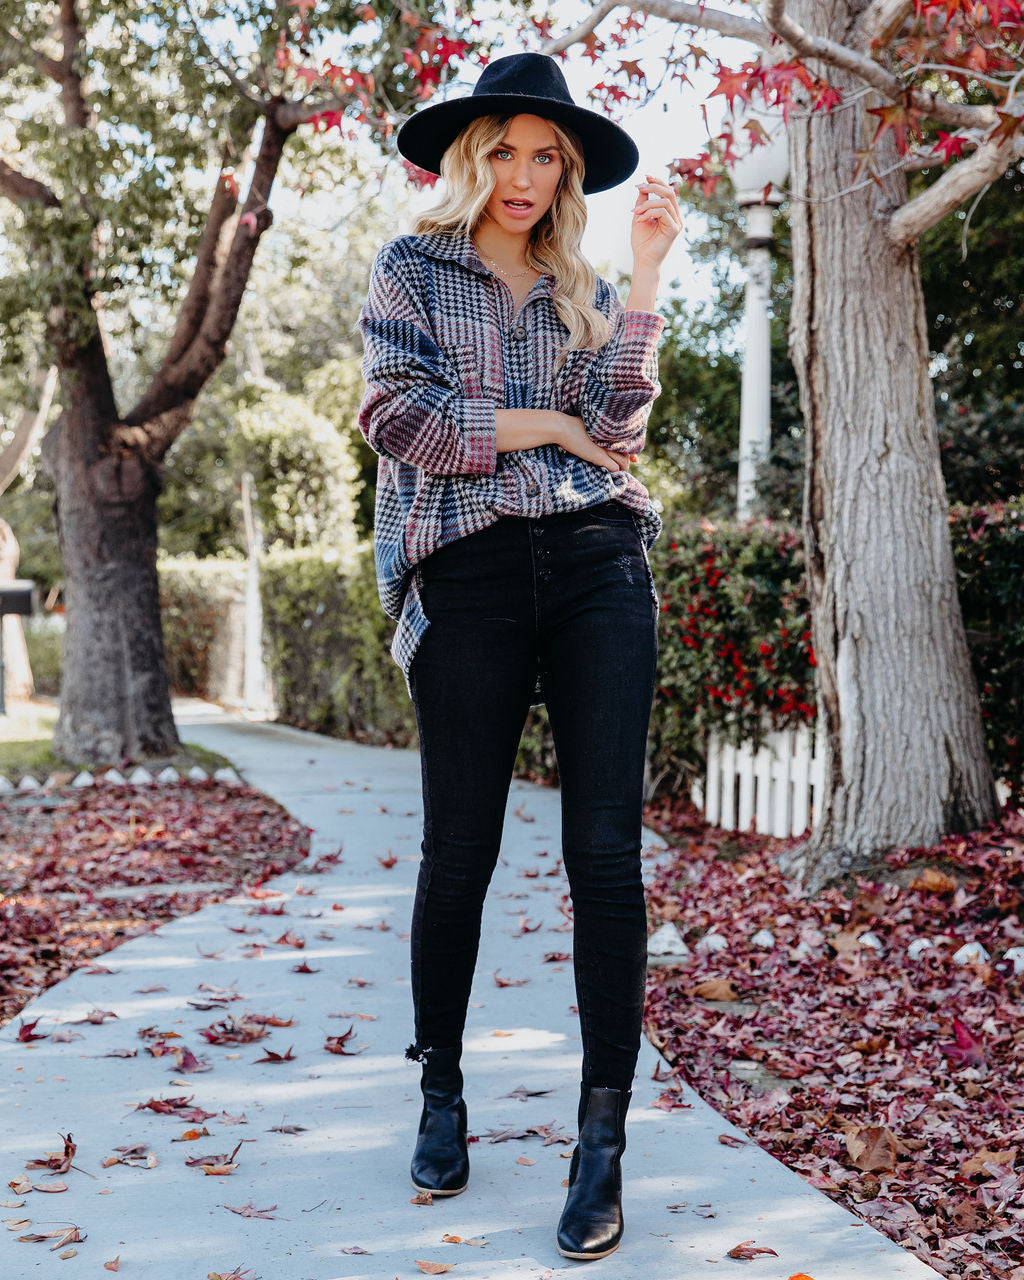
[213, 248]
[726, 24]
[23, 190]
[166, 406]
[831, 51]
[777, 23]
[695, 15]
[951, 189]
[881, 20]
[597, 16]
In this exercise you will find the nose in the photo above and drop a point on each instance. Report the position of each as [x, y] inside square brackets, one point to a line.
[521, 173]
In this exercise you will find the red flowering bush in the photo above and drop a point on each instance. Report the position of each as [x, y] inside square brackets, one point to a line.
[734, 638]
[735, 635]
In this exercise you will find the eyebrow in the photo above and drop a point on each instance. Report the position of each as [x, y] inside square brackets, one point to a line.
[509, 147]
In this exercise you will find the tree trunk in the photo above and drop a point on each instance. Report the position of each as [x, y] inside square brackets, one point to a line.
[114, 703]
[905, 758]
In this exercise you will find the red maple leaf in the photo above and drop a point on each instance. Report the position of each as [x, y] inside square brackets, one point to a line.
[732, 84]
[967, 1051]
[949, 144]
[899, 119]
[336, 1044]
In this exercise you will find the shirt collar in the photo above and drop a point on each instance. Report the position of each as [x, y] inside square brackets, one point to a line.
[457, 246]
[452, 246]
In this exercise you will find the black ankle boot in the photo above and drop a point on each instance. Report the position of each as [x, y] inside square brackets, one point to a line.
[591, 1222]
[440, 1163]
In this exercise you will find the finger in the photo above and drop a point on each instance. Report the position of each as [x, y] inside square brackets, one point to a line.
[655, 203]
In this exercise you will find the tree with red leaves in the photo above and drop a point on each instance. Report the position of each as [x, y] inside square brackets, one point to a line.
[870, 89]
[129, 132]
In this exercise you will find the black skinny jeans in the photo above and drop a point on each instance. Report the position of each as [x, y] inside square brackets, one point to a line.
[566, 596]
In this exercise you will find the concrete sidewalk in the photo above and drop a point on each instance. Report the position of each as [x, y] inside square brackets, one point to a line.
[340, 1181]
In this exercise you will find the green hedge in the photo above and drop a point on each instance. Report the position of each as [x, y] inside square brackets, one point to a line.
[194, 599]
[327, 646]
[988, 545]
[44, 639]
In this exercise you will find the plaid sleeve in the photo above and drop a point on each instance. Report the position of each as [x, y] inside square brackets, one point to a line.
[619, 382]
[413, 409]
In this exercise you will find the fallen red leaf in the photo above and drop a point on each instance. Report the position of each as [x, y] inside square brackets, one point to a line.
[271, 1056]
[967, 1051]
[746, 1249]
[336, 1044]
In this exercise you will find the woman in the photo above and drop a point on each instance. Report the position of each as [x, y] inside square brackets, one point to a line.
[507, 393]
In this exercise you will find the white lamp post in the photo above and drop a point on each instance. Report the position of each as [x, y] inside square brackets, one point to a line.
[756, 179]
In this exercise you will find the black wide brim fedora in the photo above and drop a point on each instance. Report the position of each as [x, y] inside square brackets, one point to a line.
[523, 84]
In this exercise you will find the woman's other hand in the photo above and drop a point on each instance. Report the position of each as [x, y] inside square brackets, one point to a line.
[573, 437]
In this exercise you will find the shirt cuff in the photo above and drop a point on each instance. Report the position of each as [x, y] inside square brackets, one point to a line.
[479, 431]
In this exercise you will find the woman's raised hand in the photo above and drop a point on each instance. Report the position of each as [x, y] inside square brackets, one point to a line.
[656, 222]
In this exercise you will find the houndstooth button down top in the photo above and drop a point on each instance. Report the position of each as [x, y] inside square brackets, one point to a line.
[443, 350]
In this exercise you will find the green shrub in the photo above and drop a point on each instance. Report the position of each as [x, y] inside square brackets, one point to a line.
[195, 599]
[327, 645]
[988, 546]
[44, 639]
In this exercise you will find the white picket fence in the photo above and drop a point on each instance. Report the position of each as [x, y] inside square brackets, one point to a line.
[774, 790]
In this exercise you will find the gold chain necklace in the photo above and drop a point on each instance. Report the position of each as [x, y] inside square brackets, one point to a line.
[511, 275]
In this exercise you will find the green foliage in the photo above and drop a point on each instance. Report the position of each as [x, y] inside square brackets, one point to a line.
[335, 391]
[327, 645]
[974, 304]
[982, 445]
[44, 640]
[195, 596]
[973, 280]
[988, 546]
[303, 472]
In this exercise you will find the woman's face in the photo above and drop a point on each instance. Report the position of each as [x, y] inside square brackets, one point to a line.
[527, 166]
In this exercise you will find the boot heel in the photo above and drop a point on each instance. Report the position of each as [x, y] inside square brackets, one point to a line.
[591, 1223]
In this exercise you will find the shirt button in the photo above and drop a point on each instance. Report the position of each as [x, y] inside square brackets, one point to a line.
[532, 490]
[519, 332]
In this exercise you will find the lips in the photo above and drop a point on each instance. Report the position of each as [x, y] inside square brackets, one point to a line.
[519, 205]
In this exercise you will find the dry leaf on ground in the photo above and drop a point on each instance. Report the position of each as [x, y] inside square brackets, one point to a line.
[249, 1210]
[746, 1250]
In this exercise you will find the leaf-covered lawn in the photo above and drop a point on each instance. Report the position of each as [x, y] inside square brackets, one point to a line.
[891, 1079]
[65, 853]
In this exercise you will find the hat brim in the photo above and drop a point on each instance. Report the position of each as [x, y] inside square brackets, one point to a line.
[610, 155]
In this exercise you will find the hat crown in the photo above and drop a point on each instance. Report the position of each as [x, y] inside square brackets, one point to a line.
[527, 75]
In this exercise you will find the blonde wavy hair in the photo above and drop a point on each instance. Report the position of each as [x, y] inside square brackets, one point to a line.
[554, 245]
